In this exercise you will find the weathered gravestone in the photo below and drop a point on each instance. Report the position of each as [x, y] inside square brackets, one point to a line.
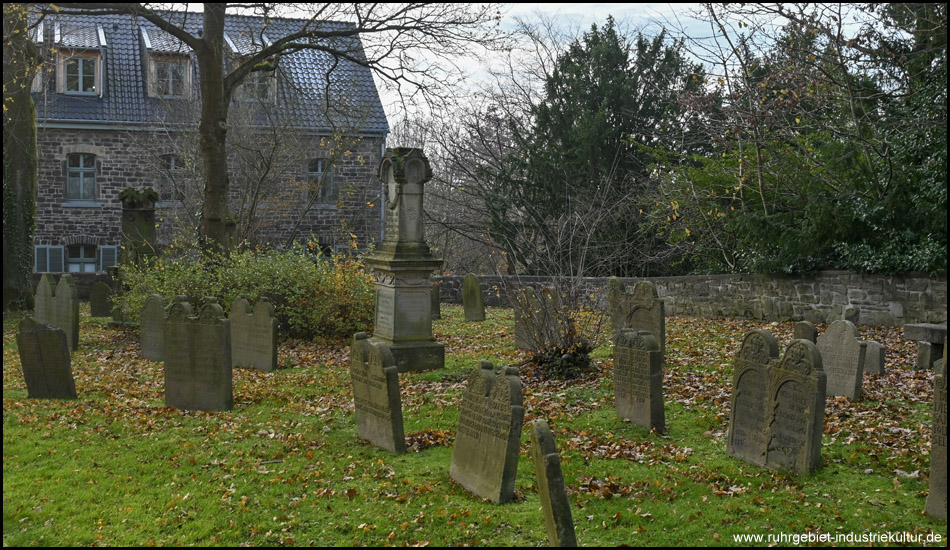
[638, 379]
[874, 358]
[253, 335]
[66, 310]
[376, 394]
[43, 299]
[485, 455]
[45, 359]
[639, 308]
[152, 326]
[937, 497]
[100, 300]
[527, 308]
[797, 410]
[554, 502]
[748, 430]
[842, 357]
[805, 330]
[198, 358]
[436, 302]
[472, 299]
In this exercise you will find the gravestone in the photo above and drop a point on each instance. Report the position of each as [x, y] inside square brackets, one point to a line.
[748, 430]
[554, 503]
[44, 357]
[485, 455]
[805, 330]
[152, 328]
[472, 299]
[937, 496]
[796, 409]
[528, 315]
[66, 310]
[100, 300]
[842, 358]
[638, 379]
[436, 302]
[198, 358]
[874, 358]
[253, 335]
[43, 299]
[403, 264]
[376, 394]
[639, 308]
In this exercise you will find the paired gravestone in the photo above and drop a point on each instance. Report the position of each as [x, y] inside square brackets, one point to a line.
[485, 455]
[66, 310]
[100, 300]
[198, 358]
[639, 308]
[874, 358]
[748, 431]
[472, 299]
[152, 326]
[44, 357]
[376, 394]
[778, 406]
[638, 379]
[253, 335]
[805, 330]
[43, 299]
[937, 497]
[554, 503]
[842, 357]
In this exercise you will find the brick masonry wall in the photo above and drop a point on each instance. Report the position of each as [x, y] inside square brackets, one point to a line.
[863, 299]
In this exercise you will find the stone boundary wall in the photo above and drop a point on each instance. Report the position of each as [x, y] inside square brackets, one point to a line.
[874, 300]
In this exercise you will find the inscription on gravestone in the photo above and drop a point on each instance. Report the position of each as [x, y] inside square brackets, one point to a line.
[485, 455]
[253, 335]
[554, 503]
[748, 430]
[198, 358]
[472, 299]
[842, 357]
[152, 328]
[638, 379]
[797, 391]
[66, 310]
[937, 496]
[375, 382]
[44, 357]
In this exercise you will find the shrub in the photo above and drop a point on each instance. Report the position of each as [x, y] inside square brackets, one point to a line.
[313, 297]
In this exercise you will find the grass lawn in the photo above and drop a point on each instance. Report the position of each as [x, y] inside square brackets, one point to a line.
[285, 467]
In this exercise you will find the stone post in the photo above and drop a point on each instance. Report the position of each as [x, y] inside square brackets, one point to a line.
[403, 265]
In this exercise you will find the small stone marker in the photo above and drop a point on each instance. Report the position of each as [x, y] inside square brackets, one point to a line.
[45, 359]
[100, 300]
[639, 309]
[43, 299]
[436, 302]
[874, 358]
[937, 497]
[842, 358]
[253, 335]
[797, 410]
[375, 382]
[930, 340]
[198, 358]
[638, 379]
[805, 330]
[66, 310]
[472, 299]
[748, 431]
[152, 328]
[485, 455]
[554, 503]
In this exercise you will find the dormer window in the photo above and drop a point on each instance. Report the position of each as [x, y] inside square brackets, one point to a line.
[170, 76]
[259, 86]
[79, 63]
[80, 72]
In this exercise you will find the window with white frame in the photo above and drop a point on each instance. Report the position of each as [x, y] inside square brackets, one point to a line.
[81, 258]
[171, 77]
[259, 85]
[81, 177]
[81, 73]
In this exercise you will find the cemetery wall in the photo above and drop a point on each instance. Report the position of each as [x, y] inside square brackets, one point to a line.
[875, 300]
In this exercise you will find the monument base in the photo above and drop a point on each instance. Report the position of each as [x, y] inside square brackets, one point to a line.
[415, 356]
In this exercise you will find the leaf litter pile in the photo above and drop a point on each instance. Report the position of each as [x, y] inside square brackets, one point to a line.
[308, 403]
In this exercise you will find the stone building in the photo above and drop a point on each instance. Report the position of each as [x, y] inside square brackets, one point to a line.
[116, 104]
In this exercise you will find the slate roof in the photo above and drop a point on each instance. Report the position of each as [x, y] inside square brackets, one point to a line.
[305, 80]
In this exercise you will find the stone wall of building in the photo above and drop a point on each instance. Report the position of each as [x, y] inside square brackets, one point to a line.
[875, 300]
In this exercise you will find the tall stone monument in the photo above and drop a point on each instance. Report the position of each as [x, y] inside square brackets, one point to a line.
[403, 264]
